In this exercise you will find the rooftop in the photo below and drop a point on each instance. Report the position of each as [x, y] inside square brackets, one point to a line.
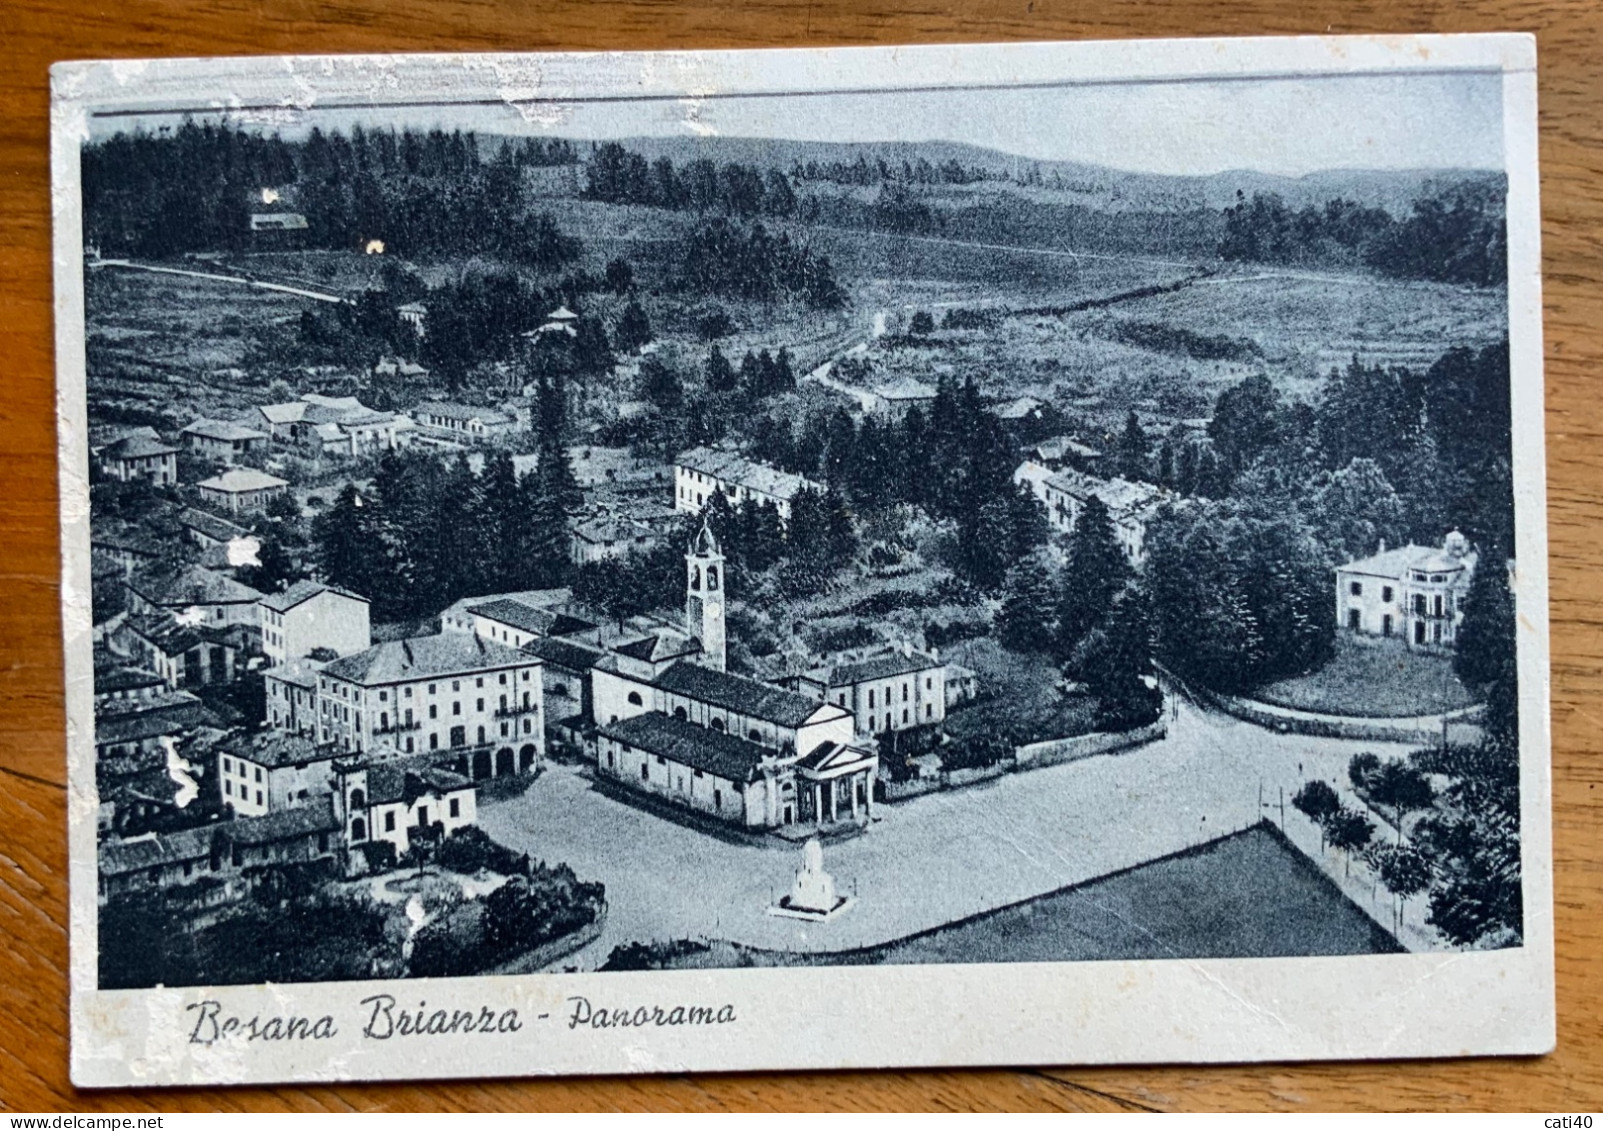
[124, 677]
[732, 467]
[451, 410]
[120, 857]
[1121, 496]
[316, 816]
[408, 779]
[137, 447]
[241, 479]
[301, 671]
[564, 653]
[700, 748]
[1427, 559]
[216, 528]
[737, 693]
[884, 666]
[166, 715]
[303, 591]
[274, 749]
[530, 618]
[191, 585]
[449, 653]
[223, 430]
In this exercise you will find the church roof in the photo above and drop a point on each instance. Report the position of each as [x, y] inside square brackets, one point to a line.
[737, 693]
[700, 748]
[564, 653]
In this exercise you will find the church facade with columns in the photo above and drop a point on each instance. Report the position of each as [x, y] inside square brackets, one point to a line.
[725, 745]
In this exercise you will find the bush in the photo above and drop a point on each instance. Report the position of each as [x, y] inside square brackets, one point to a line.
[471, 849]
[652, 955]
[977, 752]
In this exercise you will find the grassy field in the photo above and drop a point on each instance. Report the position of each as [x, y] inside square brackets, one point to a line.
[1372, 680]
[1250, 894]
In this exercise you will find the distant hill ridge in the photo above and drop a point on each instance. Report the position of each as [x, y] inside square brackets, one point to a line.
[1392, 189]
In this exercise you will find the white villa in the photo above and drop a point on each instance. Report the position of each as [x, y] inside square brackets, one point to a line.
[1413, 593]
[699, 472]
[1130, 505]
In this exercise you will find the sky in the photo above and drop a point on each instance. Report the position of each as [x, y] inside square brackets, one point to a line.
[1289, 127]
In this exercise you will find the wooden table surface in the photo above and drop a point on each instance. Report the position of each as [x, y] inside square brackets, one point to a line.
[33, 855]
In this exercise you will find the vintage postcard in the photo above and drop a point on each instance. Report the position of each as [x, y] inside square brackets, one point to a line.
[606, 563]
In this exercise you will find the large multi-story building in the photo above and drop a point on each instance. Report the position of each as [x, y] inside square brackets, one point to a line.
[453, 692]
[700, 472]
[1064, 493]
[1411, 593]
[268, 771]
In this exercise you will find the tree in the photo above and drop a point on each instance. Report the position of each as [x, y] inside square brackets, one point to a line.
[1348, 831]
[1406, 872]
[274, 568]
[718, 373]
[1114, 661]
[1095, 572]
[1485, 656]
[619, 276]
[1318, 802]
[1024, 623]
[1354, 509]
[1132, 449]
[1245, 422]
[1402, 788]
[660, 384]
[922, 324]
[633, 329]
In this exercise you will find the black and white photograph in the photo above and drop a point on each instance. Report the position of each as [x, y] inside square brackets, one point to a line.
[1062, 519]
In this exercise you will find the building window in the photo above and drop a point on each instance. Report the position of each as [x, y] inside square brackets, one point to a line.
[258, 797]
[258, 773]
[434, 742]
[645, 771]
[871, 700]
[456, 807]
[456, 707]
[434, 711]
[1386, 594]
[228, 789]
[1352, 619]
[226, 766]
[1356, 588]
[459, 736]
[389, 822]
[635, 700]
[456, 685]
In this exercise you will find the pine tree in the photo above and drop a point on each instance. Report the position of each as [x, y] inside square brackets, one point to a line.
[1096, 571]
[718, 373]
[1484, 655]
[1024, 623]
[1132, 449]
[1114, 661]
[633, 329]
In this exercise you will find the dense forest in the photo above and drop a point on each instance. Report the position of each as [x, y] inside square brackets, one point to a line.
[194, 188]
[1458, 236]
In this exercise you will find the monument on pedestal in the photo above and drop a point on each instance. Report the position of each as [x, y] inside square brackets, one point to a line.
[812, 896]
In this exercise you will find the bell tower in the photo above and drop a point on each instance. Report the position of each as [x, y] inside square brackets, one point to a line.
[704, 595]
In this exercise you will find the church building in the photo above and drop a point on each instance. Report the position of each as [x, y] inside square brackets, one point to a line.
[731, 747]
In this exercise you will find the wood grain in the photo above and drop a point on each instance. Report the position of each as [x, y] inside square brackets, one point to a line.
[33, 942]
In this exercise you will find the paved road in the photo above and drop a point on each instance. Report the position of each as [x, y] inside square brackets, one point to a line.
[928, 861]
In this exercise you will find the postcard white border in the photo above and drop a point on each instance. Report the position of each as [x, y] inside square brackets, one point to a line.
[1358, 1007]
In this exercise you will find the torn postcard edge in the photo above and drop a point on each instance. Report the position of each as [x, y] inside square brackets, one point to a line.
[840, 558]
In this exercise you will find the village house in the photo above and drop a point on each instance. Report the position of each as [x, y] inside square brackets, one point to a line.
[269, 771]
[128, 549]
[457, 617]
[319, 425]
[415, 315]
[140, 457]
[1413, 593]
[701, 471]
[610, 535]
[240, 489]
[455, 692]
[117, 681]
[291, 692]
[1130, 505]
[469, 423]
[208, 530]
[194, 594]
[391, 800]
[223, 441]
[895, 399]
[186, 652]
[513, 623]
[221, 851]
[132, 730]
[1059, 452]
[885, 689]
[310, 615]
